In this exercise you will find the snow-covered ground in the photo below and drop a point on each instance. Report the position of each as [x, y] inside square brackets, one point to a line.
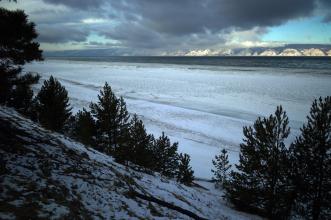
[202, 107]
[49, 176]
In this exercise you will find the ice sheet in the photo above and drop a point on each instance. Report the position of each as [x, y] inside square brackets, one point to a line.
[204, 109]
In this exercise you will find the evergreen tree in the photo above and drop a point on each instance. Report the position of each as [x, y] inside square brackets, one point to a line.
[222, 168]
[138, 147]
[123, 121]
[261, 184]
[112, 120]
[69, 127]
[311, 156]
[85, 127]
[53, 105]
[165, 155]
[17, 47]
[185, 173]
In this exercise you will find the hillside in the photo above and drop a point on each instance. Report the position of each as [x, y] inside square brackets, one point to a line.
[47, 175]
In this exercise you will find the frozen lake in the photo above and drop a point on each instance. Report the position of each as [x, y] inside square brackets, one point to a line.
[202, 107]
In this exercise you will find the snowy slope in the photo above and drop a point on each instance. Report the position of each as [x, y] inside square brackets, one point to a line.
[47, 175]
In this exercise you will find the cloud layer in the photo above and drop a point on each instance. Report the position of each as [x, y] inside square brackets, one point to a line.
[159, 26]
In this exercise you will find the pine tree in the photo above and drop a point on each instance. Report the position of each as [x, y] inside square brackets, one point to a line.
[53, 107]
[165, 155]
[222, 168]
[138, 147]
[311, 156]
[112, 120]
[17, 47]
[261, 184]
[185, 173]
[85, 128]
[123, 121]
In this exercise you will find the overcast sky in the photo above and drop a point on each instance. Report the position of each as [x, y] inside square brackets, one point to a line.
[158, 27]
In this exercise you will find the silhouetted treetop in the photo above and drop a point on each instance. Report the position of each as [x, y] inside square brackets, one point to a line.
[17, 43]
[17, 46]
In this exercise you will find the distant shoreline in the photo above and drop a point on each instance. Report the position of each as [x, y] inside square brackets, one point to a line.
[321, 63]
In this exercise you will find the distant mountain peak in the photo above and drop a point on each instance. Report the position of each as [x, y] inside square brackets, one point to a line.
[286, 50]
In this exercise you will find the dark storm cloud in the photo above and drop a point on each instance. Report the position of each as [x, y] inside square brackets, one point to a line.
[179, 23]
[58, 25]
[142, 37]
[326, 5]
[61, 34]
[190, 23]
[135, 36]
[188, 16]
[80, 4]
[52, 16]
[191, 16]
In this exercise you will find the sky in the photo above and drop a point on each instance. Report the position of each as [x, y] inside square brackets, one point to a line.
[170, 27]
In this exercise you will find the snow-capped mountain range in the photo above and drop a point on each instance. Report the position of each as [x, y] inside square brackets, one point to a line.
[287, 50]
